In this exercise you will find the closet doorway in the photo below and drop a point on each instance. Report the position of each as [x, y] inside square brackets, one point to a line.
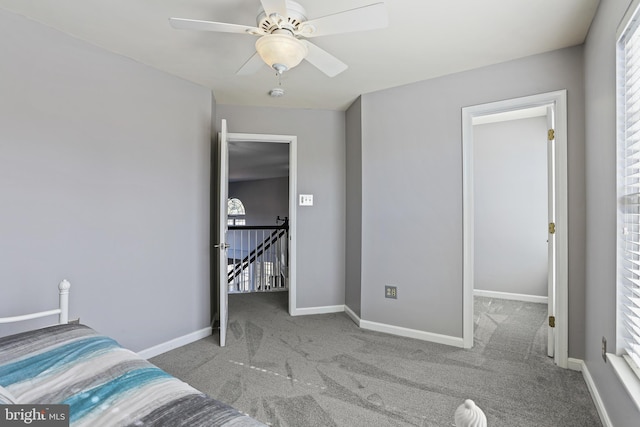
[521, 253]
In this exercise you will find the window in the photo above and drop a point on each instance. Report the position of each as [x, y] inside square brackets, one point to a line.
[235, 208]
[628, 196]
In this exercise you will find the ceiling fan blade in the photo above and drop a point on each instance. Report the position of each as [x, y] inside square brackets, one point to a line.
[252, 65]
[323, 60]
[274, 6]
[194, 24]
[363, 18]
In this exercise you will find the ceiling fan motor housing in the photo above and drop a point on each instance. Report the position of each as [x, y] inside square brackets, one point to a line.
[296, 15]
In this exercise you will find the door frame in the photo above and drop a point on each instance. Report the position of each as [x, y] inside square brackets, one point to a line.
[559, 100]
[292, 140]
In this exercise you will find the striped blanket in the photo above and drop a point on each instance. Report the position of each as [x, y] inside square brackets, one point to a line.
[103, 383]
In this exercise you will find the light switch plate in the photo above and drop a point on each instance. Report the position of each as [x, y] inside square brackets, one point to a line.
[306, 200]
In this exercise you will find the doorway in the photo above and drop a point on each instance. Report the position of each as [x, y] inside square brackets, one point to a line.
[222, 243]
[258, 217]
[551, 109]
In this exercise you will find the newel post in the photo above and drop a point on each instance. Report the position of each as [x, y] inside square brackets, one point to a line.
[63, 289]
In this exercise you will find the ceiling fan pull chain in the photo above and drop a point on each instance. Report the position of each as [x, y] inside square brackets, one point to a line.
[277, 92]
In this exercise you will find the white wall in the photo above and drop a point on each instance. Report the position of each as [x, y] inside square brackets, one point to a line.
[510, 206]
[104, 180]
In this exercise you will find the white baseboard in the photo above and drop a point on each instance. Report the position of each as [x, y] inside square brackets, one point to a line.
[352, 315]
[403, 332]
[575, 364]
[174, 343]
[412, 333]
[511, 296]
[591, 385]
[318, 310]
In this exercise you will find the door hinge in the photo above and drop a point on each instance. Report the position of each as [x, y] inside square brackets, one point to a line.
[551, 134]
[552, 228]
[552, 321]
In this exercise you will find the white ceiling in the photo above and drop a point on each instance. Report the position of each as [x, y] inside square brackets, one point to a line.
[425, 39]
[257, 160]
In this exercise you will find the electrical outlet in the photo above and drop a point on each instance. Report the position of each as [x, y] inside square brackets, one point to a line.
[391, 291]
[604, 349]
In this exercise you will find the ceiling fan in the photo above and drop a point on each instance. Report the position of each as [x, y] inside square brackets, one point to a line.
[283, 29]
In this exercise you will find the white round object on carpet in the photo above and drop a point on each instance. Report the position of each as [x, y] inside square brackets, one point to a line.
[469, 415]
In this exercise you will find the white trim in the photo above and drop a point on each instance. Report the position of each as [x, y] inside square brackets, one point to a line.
[575, 364]
[174, 343]
[524, 113]
[626, 375]
[412, 333]
[510, 296]
[292, 140]
[293, 209]
[626, 19]
[467, 229]
[559, 98]
[223, 229]
[356, 319]
[403, 332]
[595, 395]
[562, 231]
[318, 310]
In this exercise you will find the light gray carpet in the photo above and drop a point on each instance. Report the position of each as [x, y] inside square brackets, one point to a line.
[323, 370]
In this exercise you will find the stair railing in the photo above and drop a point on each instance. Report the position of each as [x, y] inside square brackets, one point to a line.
[258, 258]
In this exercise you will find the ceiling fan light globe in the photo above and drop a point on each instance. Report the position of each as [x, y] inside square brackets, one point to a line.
[281, 51]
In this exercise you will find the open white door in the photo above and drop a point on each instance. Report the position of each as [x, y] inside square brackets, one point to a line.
[551, 196]
[558, 276]
[222, 245]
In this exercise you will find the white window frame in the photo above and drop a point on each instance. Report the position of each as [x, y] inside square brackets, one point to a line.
[235, 218]
[234, 203]
[627, 225]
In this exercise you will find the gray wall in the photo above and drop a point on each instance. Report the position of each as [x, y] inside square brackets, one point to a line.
[600, 121]
[353, 288]
[510, 206]
[412, 189]
[263, 199]
[321, 172]
[104, 180]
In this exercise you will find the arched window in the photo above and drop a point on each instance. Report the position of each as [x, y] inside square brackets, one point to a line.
[235, 208]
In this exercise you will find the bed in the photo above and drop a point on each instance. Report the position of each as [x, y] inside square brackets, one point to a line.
[103, 383]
